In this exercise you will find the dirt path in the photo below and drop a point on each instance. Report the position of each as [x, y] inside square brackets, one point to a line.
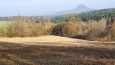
[56, 41]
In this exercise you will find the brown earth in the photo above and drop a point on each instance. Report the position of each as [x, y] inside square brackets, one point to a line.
[55, 50]
[57, 41]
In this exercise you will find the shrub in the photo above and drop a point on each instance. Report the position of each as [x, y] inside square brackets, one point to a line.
[47, 26]
[95, 29]
[69, 29]
[112, 31]
[36, 29]
[58, 29]
[2, 32]
[17, 28]
[93, 34]
[51, 29]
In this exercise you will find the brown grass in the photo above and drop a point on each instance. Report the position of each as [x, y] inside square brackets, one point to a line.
[51, 53]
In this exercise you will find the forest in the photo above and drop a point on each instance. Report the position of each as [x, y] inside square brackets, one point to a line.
[86, 16]
[97, 25]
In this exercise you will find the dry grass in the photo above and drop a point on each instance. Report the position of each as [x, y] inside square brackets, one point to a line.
[55, 50]
[56, 41]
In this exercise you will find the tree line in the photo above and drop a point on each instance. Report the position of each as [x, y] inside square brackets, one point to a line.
[97, 15]
[101, 28]
[91, 30]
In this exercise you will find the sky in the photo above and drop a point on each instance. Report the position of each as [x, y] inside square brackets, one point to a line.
[46, 7]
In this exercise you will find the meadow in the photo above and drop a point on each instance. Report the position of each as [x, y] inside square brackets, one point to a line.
[4, 23]
[75, 38]
[55, 51]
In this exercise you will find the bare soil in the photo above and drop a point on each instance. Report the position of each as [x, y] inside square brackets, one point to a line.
[55, 50]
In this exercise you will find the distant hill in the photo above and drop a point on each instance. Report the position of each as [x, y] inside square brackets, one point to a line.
[78, 9]
[85, 16]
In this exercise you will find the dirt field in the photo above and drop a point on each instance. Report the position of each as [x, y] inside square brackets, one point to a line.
[56, 41]
[55, 50]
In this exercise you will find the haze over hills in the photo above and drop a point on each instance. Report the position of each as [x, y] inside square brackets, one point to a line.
[48, 7]
[78, 9]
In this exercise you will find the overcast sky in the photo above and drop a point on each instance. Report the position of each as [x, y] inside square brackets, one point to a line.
[43, 7]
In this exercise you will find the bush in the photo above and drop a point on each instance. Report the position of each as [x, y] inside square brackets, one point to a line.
[2, 32]
[52, 28]
[36, 29]
[96, 29]
[17, 28]
[112, 31]
[47, 26]
[93, 34]
[58, 29]
[69, 29]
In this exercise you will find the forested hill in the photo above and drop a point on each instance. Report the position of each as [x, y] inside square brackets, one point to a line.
[78, 9]
[109, 14]
[85, 16]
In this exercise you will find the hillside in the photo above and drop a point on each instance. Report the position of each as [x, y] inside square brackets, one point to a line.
[85, 16]
[78, 9]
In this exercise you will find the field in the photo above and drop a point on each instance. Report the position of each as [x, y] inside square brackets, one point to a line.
[55, 50]
[4, 23]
